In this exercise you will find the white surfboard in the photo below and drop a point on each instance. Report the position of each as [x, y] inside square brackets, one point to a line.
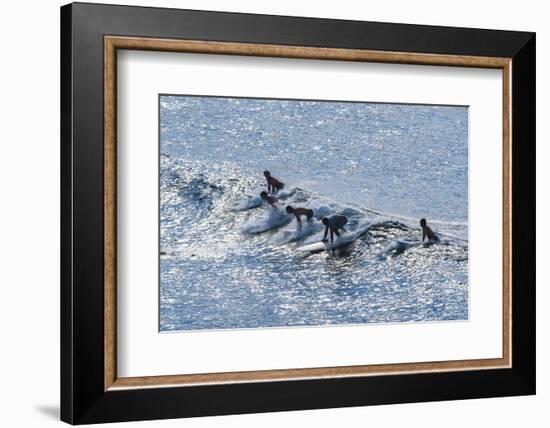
[344, 239]
[316, 247]
[323, 246]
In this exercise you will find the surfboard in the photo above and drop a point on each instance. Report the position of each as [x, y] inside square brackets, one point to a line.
[344, 239]
[316, 247]
[321, 246]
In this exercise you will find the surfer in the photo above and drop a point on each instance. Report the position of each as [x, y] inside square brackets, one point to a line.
[269, 199]
[273, 185]
[427, 232]
[300, 212]
[334, 223]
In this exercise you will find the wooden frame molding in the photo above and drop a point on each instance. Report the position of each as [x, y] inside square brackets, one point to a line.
[113, 43]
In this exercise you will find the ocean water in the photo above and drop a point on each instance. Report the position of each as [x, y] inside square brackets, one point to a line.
[229, 261]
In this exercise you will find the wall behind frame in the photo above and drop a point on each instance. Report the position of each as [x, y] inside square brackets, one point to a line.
[29, 173]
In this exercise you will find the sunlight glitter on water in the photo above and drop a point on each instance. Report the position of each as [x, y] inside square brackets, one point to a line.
[228, 262]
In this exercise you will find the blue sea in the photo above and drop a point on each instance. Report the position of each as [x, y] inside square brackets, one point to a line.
[228, 261]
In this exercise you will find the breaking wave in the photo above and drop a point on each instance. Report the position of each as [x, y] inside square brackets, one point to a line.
[215, 229]
[208, 198]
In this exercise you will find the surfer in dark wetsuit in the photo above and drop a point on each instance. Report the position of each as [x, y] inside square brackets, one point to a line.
[269, 199]
[427, 232]
[334, 224]
[300, 212]
[273, 185]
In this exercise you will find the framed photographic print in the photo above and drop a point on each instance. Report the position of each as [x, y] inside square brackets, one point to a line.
[265, 213]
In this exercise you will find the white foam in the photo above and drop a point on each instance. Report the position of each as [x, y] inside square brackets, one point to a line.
[275, 218]
[246, 204]
[291, 235]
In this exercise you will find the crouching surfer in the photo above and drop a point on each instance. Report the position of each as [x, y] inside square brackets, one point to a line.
[269, 199]
[298, 212]
[427, 232]
[273, 185]
[334, 224]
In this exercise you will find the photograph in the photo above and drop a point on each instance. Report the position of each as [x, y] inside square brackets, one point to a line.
[300, 213]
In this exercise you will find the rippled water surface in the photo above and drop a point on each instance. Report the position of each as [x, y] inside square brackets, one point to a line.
[228, 261]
